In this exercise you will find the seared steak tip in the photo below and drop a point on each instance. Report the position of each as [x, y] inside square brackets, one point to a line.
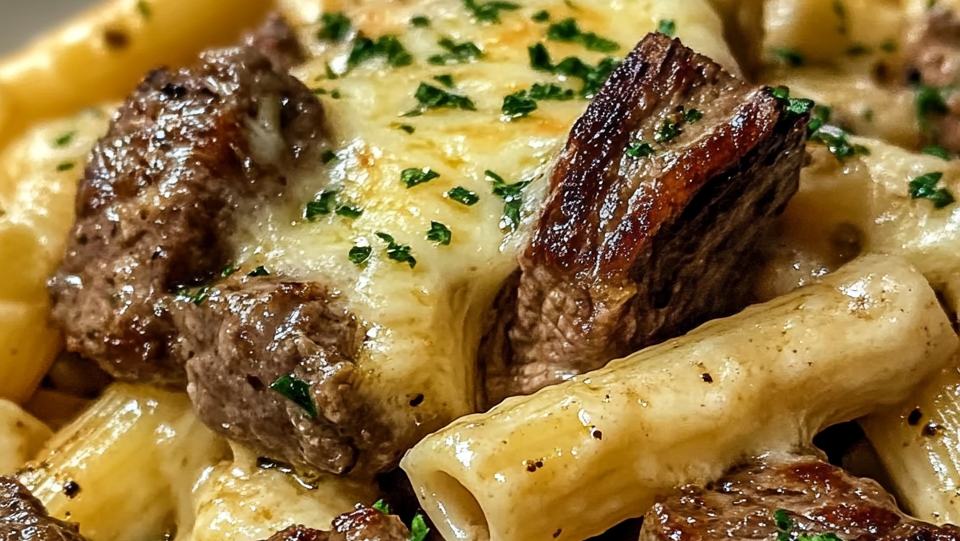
[23, 518]
[362, 524]
[932, 64]
[786, 496]
[665, 185]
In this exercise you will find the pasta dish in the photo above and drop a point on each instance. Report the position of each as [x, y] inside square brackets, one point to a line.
[482, 270]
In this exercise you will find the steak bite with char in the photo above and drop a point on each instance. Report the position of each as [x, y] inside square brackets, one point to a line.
[362, 524]
[796, 495]
[932, 60]
[23, 518]
[660, 196]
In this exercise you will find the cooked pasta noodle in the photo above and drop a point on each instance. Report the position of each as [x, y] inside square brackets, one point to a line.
[614, 439]
[21, 436]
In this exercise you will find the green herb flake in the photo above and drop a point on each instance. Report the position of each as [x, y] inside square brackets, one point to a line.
[820, 117]
[65, 166]
[788, 56]
[840, 10]
[889, 46]
[639, 149]
[668, 131]
[400, 253]
[858, 49]
[196, 296]
[64, 139]
[518, 104]
[229, 270]
[512, 199]
[567, 30]
[593, 77]
[925, 187]
[445, 79]
[667, 27]
[930, 101]
[143, 8]
[386, 46]
[455, 53]
[334, 27]
[541, 16]
[939, 152]
[439, 233]
[431, 97]
[328, 156]
[413, 176]
[406, 127]
[360, 254]
[258, 272]
[693, 115]
[418, 529]
[489, 12]
[297, 391]
[785, 526]
[321, 206]
[540, 58]
[550, 91]
[382, 507]
[420, 21]
[328, 71]
[838, 143]
[463, 196]
[349, 211]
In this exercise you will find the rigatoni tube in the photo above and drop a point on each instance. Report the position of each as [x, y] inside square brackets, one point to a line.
[577, 458]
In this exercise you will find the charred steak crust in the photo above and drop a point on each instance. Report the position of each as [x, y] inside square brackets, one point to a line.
[633, 249]
[23, 518]
[817, 497]
[159, 199]
[363, 524]
[187, 154]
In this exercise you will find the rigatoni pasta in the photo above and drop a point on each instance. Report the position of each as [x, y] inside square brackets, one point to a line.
[612, 440]
[21, 436]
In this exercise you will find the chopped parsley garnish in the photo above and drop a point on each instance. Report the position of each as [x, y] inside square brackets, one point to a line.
[820, 117]
[334, 27]
[64, 139]
[693, 115]
[400, 253]
[229, 270]
[413, 176]
[567, 30]
[541, 16]
[518, 104]
[939, 152]
[456, 53]
[463, 196]
[792, 106]
[593, 77]
[65, 166]
[196, 296]
[930, 101]
[144, 9]
[925, 187]
[321, 206]
[667, 27]
[837, 141]
[550, 91]
[512, 199]
[418, 529]
[785, 527]
[420, 21]
[439, 233]
[382, 507]
[668, 131]
[328, 156]
[328, 71]
[431, 97]
[259, 271]
[360, 254]
[489, 12]
[889, 46]
[405, 127]
[349, 211]
[386, 46]
[446, 80]
[639, 149]
[297, 391]
[787, 56]
[858, 49]
[540, 58]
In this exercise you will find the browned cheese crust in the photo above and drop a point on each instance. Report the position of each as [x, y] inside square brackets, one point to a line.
[23, 518]
[363, 524]
[817, 497]
[186, 155]
[630, 250]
